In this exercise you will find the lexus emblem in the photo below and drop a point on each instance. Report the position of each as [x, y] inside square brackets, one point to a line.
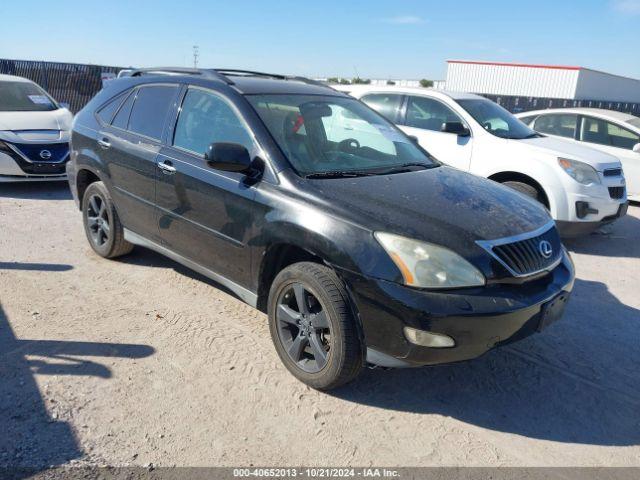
[545, 248]
[45, 154]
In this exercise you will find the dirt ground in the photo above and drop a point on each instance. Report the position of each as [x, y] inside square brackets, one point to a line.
[140, 361]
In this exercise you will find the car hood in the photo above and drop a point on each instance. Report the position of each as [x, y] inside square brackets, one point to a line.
[565, 148]
[440, 205]
[35, 126]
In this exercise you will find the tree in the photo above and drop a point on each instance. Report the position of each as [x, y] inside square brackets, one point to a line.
[390, 82]
[361, 81]
[333, 80]
[344, 81]
[426, 83]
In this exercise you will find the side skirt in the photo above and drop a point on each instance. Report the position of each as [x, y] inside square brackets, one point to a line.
[246, 295]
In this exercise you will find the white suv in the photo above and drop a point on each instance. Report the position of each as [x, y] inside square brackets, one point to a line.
[34, 132]
[583, 188]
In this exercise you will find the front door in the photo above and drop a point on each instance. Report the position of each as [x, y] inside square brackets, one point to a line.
[617, 141]
[206, 215]
[424, 119]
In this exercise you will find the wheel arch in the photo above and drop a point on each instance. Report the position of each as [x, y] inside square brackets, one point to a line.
[277, 257]
[506, 176]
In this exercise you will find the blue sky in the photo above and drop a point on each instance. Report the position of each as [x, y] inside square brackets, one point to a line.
[375, 38]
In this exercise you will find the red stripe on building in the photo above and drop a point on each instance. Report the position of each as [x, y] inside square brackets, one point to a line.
[526, 65]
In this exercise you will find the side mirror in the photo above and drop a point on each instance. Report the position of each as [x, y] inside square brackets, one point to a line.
[414, 139]
[229, 157]
[636, 148]
[455, 127]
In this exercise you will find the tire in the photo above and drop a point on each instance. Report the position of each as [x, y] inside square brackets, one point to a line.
[526, 189]
[327, 304]
[102, 224]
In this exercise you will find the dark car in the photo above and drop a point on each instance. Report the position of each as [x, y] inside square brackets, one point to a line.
[308, 205]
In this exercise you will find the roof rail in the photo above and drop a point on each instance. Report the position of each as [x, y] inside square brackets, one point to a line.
[249, 73]
[221, 74]
[208, 73]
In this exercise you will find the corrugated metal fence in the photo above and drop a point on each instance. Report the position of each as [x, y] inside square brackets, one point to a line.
[525, 104]
[70, 83]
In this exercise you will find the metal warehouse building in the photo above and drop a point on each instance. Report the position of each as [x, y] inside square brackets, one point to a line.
[542, 81]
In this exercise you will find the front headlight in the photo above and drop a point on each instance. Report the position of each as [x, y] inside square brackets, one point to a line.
[579, 171]
[427, 265]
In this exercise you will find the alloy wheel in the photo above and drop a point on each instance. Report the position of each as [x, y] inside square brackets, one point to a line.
[303, 328]
[98, 220]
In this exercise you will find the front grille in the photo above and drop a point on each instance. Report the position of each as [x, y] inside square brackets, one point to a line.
[612, 172]
[616, 192]
[49, 153]
[528, 254]
[40, 167]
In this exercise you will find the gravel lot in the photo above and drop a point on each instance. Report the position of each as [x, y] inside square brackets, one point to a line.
[141, 361]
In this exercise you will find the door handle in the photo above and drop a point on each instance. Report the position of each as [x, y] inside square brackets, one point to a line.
[104, 143]
[166, 167]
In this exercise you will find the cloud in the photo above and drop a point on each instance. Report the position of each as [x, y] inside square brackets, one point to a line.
[404, 20]
[629, 7]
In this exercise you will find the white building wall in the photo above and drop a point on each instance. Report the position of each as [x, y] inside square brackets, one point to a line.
[594, 85]
[496, 79]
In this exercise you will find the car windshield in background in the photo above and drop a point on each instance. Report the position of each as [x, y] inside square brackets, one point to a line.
[635, 122]
[336, 136]
[496, 120]
[24, 97]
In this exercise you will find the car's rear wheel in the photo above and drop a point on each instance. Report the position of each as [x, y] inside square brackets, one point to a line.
[312, 326]
[101, 223]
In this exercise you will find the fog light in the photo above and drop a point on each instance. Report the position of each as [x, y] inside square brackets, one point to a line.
[583, 209]
[428, 339]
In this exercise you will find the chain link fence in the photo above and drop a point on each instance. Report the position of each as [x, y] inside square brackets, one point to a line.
[71, 83]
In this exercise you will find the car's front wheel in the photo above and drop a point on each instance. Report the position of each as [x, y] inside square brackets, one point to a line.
[312, 326]
[102, 224]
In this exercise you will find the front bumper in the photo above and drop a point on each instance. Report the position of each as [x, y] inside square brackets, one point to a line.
[478, 319]
[15, 167]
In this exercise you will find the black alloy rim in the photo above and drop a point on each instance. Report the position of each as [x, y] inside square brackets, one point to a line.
[98, 220]
[303, 328]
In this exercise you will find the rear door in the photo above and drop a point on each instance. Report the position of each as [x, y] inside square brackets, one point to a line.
[424, 118]
[206, 215]
[130, 145]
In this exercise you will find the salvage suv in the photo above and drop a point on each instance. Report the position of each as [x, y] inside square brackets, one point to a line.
[361, 248]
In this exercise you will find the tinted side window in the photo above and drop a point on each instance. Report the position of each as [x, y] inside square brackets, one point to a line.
[429, 114]
[106, 113]
[150, 110]
[122, 117]
[206, 118]
[386, 104]
[562, 124]
[602, 132]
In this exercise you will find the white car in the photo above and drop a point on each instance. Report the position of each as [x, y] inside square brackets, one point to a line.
[612, 132]
[34, 132]
[583, 188]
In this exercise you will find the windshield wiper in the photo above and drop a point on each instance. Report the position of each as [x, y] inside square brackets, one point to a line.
[339, 174]
[405, 167]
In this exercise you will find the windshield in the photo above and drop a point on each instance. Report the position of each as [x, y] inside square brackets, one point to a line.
[496, 120]
[24, 97]
[635, 122]
[326, 134]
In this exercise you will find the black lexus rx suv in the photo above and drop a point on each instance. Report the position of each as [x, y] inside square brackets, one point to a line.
[308, 205]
